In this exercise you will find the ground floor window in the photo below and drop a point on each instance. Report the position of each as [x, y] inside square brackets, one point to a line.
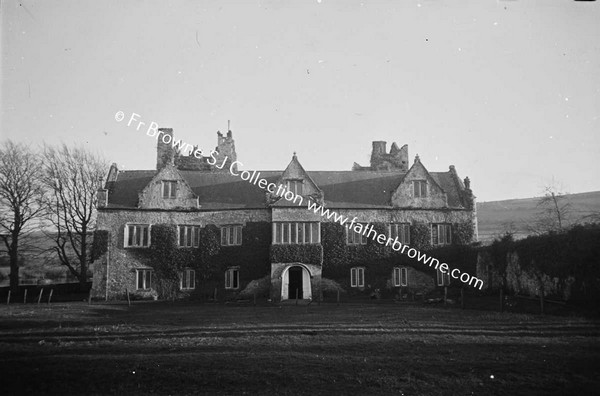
[143, 279]
[232, 278]
[188, 279]
[443, 279]
[400, 276]
[357, 277]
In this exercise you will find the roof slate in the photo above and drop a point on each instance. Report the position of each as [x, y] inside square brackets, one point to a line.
[223, 191]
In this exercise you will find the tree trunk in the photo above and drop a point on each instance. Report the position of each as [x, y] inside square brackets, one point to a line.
[542, 297]
[14, 275]
[83, 276]
[14, 262]
[84, 259]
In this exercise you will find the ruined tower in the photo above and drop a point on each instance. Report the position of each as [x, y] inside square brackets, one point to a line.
[381, 160]
[165, 154]
[226, 150]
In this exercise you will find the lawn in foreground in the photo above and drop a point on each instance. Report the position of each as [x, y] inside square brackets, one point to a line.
[190, 348]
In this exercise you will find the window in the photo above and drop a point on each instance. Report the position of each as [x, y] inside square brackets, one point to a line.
[355, 238]
[400, 276]
[419, 188]
[189, 236]
[443, 279]
[402, 231]
[188, 279]
[441, 234]
[231, 235]
[232, 278]
[137, 235]
[357, 277]
[143, 279]
[169, 189]
[295, 186]
[296, 233]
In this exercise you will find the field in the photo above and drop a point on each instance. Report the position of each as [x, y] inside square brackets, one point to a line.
[191, 348]
[496, 217]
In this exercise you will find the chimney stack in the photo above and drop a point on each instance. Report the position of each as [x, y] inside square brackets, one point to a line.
[165, 154]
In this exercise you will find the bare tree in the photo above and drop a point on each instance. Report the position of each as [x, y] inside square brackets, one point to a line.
[72, 175]
[554, 210]
[21, 195]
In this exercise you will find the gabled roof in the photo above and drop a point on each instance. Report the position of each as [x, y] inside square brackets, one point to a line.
[222, 191]
[295, 171]
[123, 193]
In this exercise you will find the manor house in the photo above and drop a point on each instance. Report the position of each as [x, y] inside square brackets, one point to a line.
[221, 234]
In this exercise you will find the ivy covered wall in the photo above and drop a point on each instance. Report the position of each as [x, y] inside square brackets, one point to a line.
[254, 257]
[561, 265]
[379, 260]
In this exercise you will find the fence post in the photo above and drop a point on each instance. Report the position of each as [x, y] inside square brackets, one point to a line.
[296, 296]
[8, 298]
[445, 294]
[338, 297]
[50, 296]
[128, 299]
[90, 297]
[40, 296]
[25, 297]
[501, 300]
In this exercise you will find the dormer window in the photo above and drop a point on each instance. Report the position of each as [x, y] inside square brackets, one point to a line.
[295, 186]
[169, 189]
[419, 188]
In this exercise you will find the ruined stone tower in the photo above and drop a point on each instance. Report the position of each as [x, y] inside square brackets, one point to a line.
[381, 160]
[165, 154]
[226, 150]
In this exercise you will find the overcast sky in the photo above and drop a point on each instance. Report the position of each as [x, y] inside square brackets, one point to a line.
[507, 91]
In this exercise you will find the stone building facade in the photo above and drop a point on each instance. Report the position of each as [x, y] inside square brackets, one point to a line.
[230, 234]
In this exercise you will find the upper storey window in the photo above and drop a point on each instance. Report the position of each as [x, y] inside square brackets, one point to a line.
[400, 231]
[137, 235]
[441, 234]
[296, 233]
[355, 238]
[419, 188]
[231, 235]
[169, 189]
[295, 186]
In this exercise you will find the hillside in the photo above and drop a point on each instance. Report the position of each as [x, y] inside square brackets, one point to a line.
[496, 217]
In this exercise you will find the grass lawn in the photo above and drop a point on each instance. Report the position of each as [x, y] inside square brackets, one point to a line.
[191, 348]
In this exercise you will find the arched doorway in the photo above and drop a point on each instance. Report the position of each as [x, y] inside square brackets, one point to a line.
[296, 279]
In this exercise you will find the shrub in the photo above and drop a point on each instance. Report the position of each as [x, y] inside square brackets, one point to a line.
[257, 287]
[331, 286]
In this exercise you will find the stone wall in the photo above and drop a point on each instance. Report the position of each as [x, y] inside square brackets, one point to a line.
[152, 195]
[519, 280]
[405, 215]
[123, 261]
[404, 197]
[396, 159]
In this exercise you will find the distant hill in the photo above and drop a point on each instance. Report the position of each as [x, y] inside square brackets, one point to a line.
[496, 217]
